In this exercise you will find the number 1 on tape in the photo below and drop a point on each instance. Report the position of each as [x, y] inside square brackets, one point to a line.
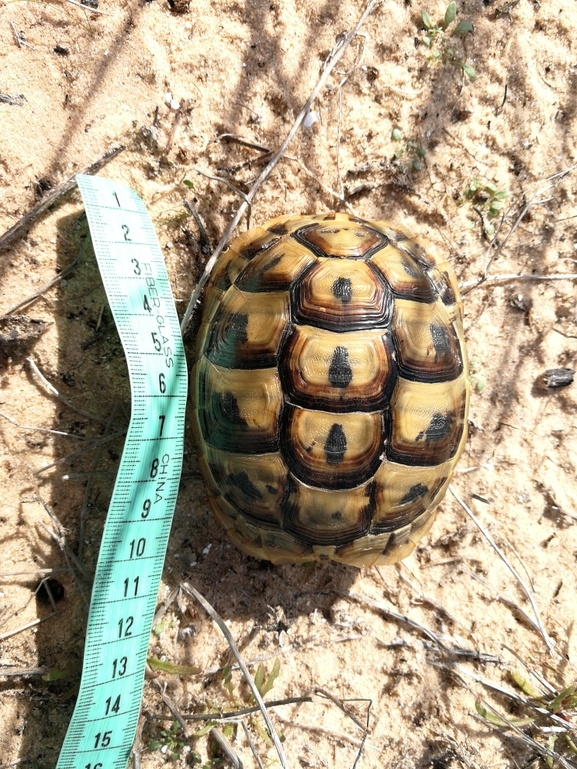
[131, 558]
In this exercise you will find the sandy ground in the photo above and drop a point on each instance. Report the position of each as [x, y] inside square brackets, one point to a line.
[81, 83]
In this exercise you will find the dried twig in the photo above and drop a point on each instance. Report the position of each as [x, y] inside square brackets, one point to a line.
[247, 676]
[332, 59]
[51, 197]
[88, 7]
[532, 201]
[503, 557]
[228, 715]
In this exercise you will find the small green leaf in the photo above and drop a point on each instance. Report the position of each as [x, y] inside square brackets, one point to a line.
[426, 20]
[450, 14]
[396, 134]
[426, 41]
[169, 667]
[559, 702]
[420, 152]
[463, 27]
[154, 745]
[272, 676]
[469, 71]
[501, 194]
[417, 165]
[188, 183]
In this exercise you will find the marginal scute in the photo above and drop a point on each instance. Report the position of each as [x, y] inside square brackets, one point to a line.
[330, 389]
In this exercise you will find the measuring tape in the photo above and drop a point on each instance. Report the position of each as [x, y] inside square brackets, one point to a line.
[131, 558]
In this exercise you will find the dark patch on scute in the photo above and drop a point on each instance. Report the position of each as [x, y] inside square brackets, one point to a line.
[343, 290]
[371, 493]
[336, 516]
[278, 229]
[441, 341]
[225, 408]
[258, 244]
[254, 282]
[270, 489]
[340, 371]
[244, 483]
[415, 492]
[336, 445]
[225, 337]
[411, 270]
[439, 428]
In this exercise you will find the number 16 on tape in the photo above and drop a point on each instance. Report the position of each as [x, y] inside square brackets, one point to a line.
[131, 558]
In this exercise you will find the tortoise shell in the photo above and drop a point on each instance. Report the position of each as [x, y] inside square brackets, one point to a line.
[330, 389]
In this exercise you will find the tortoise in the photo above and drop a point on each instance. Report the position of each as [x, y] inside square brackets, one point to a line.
[330, 389]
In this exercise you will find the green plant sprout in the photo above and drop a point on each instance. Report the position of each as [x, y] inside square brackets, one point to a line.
[476, 376]
[172, 739]
[414, 152]
[552, 715]
[438, 40]
[487, 199]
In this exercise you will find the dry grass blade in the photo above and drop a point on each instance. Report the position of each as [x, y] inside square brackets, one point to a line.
[331, 733]
[332, 59]
[226, 748]
[496, 279]
[248, 678]
[514, 572]
[390, 614]
[42, 290]
[251, 745]
[42, 429]
[53, 391]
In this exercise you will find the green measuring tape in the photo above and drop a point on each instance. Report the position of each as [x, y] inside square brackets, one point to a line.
[133, 547]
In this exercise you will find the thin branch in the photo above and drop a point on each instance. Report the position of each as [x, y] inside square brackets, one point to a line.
[471, 284]
[332, 59]
[52, 196]
[247, 676]
[503, 557]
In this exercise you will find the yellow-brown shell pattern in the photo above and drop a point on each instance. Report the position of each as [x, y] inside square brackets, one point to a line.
[330, 389]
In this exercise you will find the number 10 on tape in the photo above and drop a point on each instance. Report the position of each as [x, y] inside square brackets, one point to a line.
[131, 558]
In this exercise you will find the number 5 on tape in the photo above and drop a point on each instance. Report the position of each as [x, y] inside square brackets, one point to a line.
[131, 558]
